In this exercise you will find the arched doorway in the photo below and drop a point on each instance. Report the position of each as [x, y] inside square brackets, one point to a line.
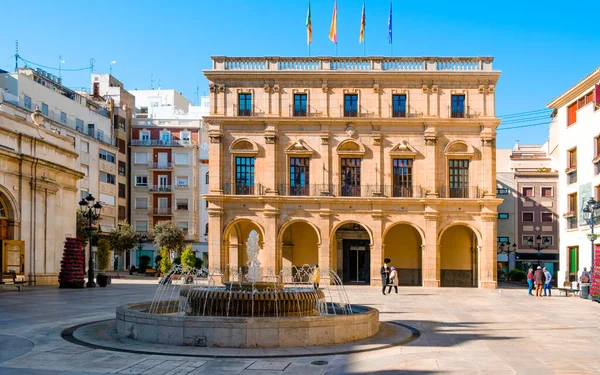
[353, 253]
[458, 257]
[299, 245]
[12, 252]
[4, 233]
[402, 245]
[236, 235]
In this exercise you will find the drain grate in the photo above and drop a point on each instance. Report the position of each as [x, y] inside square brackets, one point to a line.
[319, 363]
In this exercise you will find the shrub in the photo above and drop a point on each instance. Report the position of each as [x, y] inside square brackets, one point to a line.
[144, 263]
[157, 261]
[198, 263]
[517, 275]
[103, 254]
[165, 262]
[188, 258]
[177, 260]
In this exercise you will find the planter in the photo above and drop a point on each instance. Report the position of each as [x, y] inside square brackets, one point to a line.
[570, 170]
[102, 280]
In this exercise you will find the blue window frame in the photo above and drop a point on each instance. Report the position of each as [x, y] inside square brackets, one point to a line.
[299, 176]
[45, 109]
[502, 216]
[458, 106]
[300, 104]
[398, 105]
[63, 117]
[351, 105]
[502, 240]
[245, 105]
[244, 175]
[27, 102]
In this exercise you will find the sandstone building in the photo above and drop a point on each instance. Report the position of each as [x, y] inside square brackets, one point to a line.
[347, 161]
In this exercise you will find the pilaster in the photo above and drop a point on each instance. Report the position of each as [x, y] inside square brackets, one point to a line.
[431, 137]
[272, 259]
[431, 251]
[488, 277]
[326, 254]
[271, 158]
[215, 155]
[377, 247]
[218, 248]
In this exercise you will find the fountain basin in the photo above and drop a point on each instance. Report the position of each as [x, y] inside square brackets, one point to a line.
[135, 322]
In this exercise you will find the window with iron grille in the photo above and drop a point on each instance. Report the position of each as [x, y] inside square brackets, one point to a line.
[244, 175]
[299, 176]
[458, 106]
[300, 104]
[402, 178]
[245, 104]
[350, 105]
[399, 105]
[458, 178]
[350, 183]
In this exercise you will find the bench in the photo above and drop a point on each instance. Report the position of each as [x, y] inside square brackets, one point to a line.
[567, 288]
[10, 279]
[151, 272]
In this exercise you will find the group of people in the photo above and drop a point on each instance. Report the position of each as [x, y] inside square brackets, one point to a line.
[541, 280]
[389, 278]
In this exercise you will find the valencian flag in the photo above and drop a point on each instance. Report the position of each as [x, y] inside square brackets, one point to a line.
[308, 26]
[362, 25]
[333, 28]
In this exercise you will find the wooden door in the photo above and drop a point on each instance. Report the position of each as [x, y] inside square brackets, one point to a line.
[13, 256]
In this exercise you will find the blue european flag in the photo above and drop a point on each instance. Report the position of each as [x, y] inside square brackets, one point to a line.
[390, 24]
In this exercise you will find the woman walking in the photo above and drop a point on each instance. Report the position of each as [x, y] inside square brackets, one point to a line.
[530, 281]
[393, 280]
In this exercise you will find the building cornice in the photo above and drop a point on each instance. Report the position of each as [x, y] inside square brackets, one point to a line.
[576, 91]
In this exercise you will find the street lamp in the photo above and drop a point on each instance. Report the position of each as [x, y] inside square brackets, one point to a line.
[538, 245]
[508, 250]
[591, 215]
[91, 211]
[141, 240]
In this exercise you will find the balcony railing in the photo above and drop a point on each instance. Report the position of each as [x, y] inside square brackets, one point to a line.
[243, 189]
[167, 165]
[459, 192]
[315, 190]
[274, 63]
[162, 210]
[394, 191]
[160, 142]
[350, 190]
[159, 188]
[295, 190]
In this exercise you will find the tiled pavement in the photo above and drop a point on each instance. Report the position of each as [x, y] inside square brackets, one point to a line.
[463, 331]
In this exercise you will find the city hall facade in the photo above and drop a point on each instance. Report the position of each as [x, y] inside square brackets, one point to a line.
[344, 162]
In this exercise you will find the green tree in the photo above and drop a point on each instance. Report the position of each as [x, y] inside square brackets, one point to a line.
[188, 258]
[122, 238]
[82, 224]
[103, 254]
[165, 261]
[168, 235]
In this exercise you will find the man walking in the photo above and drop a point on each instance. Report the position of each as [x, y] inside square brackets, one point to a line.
[547, 285]
[539, 278]
[385, 275]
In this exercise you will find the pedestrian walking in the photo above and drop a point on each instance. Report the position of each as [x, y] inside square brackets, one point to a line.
[539, 278]
[585, 276]
[547, 284]
[385, 275]
[530, 281]
[316, 277]
[393, 281]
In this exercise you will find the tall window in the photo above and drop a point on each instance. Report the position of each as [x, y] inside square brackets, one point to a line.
[402, 178]
[459, 179]
[79, 125]
[122, 168]
[399, 105]
[351, 177]
[571, 166]
[84, 147]
[573, 262]
[63, 117]
[122, 193]
[206, 179]
[244, 175]
[571, 114]
[458, 106]
[572, 211]
[299, 176]
[45, 110]
[165, 136]
[350, 105]
[597, 146]
[300, 104]
[245, 105]
[27, 101]
[107, 178]
[90, 129]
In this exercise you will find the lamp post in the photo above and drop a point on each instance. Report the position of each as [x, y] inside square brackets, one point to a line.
[591, 215]
[508, 250]
[538, 245]
[91, 211]
[141, 240]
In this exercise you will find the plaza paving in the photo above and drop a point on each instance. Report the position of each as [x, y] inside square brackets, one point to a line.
[463, 331]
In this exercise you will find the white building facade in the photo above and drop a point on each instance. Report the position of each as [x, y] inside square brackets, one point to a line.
[574, 143]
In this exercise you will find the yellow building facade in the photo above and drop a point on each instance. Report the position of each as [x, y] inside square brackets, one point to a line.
[344, 162]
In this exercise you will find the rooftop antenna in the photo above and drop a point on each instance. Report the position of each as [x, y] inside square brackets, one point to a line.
[16, 55]
[152, 81]
[60, 62]
[197, 95]
[111, 65]
[92, 61]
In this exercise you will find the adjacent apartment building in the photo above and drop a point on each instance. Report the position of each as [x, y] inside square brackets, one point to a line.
[344, 162]
[575, 145]
[169, 166]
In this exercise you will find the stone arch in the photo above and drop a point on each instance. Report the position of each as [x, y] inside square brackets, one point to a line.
[350, 147]
[459, 244]
[10, 203]
[243, 145]
[402, 242]
[454, 223]
[366, 228]
[352, 243]
[459, 148]
[298, 243]
[9, 220]
[235, 236]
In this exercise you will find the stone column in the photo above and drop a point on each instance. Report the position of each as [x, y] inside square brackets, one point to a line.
[215, 155]
[218, 249]
[431, 251]
[272, 258]
[431, 177]
[271, 172]
[488, 163]
[326, 255]
[377, 247]
[487, 255]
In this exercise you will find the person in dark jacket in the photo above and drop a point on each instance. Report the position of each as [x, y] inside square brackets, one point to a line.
[385, 275]
[540, 279]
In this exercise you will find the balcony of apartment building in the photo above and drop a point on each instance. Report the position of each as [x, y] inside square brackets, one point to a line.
[160, 188]
[160, 165]
[162, 143]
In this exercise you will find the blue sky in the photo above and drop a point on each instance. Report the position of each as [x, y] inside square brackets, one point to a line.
[542, 48]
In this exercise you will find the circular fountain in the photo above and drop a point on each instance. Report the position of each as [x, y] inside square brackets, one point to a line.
[253, 308]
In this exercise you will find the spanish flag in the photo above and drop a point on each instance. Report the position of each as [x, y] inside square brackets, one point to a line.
[308, 26]
[333, 28]
[362, 26]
